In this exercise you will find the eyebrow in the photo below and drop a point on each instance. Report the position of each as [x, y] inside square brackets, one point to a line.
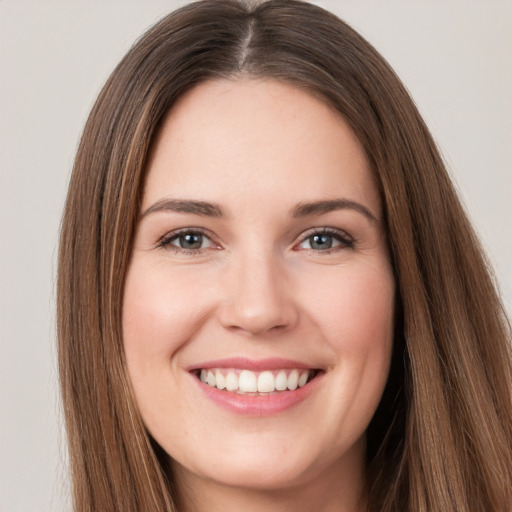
[321, 207]
[206, 209]
[185, 206]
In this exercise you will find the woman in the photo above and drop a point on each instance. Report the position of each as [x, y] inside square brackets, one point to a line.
[269, 294]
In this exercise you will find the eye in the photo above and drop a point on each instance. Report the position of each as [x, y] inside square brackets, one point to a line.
[187, 241]
[326, 239]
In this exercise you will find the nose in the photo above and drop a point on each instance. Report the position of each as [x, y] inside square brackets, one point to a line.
[258, 297]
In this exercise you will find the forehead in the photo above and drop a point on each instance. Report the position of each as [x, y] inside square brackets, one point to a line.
[256, 137]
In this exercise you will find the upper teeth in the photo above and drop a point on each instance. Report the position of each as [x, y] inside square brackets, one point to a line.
[247, 381]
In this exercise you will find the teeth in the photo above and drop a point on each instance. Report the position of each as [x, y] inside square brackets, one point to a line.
[281, 381]
[266, 382]
[303, 379]
[220, 380]
[246, 381]
[232, 381]
[293, 379]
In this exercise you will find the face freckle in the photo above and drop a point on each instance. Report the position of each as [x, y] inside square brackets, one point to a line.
[261, 259]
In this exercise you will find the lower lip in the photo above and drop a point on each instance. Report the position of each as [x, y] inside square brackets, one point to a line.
[259, 405]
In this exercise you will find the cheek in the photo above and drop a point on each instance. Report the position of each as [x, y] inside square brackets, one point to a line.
[160, 315]
[355, 308]
[357, 320]
[160, 312]
[355, 315]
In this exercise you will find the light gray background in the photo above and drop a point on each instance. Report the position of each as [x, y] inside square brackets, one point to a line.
[453, 55]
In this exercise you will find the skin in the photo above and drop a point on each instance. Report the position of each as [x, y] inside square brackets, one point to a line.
[258, 287]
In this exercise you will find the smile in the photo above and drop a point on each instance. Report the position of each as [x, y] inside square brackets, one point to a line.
[243, 381]
[258, 388]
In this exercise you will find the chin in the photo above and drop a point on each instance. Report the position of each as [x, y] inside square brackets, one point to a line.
[256, 475]
[273, 466]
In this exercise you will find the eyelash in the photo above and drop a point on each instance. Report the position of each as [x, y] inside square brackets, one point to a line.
[345, 241]
[166, 241]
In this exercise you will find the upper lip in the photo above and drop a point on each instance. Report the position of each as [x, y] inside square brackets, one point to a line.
[243, 363]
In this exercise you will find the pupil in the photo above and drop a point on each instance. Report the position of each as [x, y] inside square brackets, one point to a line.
[191, 241]
[321, 242]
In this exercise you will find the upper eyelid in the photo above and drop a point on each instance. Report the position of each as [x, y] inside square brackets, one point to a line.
[345, 240]
[177, 232]
[327, 231]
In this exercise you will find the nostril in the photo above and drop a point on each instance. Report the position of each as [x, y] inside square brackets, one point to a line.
[258, 320]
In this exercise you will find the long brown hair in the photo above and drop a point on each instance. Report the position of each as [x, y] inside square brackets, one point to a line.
[441, 439]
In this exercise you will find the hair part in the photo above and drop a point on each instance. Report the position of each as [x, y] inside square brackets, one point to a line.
[442, 436]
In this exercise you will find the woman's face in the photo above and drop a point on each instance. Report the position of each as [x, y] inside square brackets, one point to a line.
[259, 263]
